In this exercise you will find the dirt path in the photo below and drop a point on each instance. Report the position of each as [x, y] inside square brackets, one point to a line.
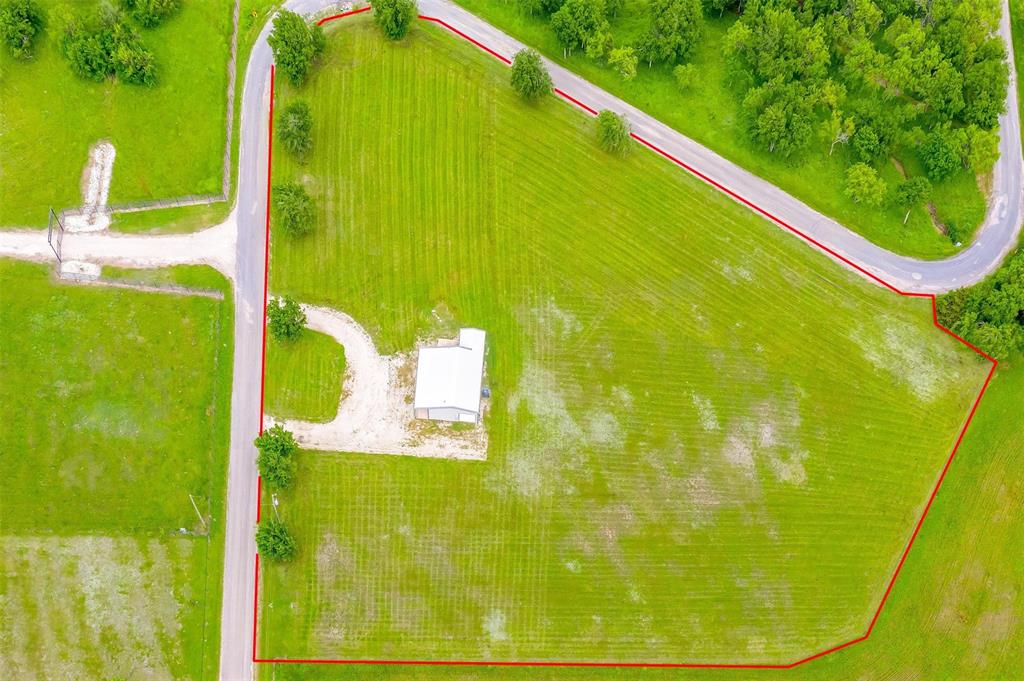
[375, 414]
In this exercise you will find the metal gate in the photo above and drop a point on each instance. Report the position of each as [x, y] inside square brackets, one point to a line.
[55, 234]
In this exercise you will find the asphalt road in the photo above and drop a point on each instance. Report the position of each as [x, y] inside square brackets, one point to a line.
[995, 238]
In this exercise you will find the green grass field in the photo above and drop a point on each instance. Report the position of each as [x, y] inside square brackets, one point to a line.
[169, 139]
[709, 114]
[708, 442]
[116, 405]
[304, 377]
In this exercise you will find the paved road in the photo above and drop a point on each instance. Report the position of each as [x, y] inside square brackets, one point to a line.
[995, 238]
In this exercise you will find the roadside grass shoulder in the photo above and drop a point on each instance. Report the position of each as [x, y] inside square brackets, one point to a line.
[117, 404]
[707, 442]
[169, 138]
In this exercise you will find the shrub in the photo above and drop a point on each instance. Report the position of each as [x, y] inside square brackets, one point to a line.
[275, 459]
[102, 46]
[274, 541]
[295, 129]
[296, 45]
[294, 211]
[150, 13]
[20, 21]
[529, 77]
[623, 60]
[685, 75]
[613, 132]
[287, 320]
[394, 17]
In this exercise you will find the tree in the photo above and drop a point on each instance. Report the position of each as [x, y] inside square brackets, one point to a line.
[394, 17]
[102, 45]
[296, 45]
[20, 21]
[982, 149]
[623, 60]
[531, 7]
[287, 320]
[685, 75]
[613, 132]
[676, 27]
[779, 117]
[863, 185]
[293, 208]
[529, 77]
[295, 129]
[274, 541]
[580, 22]
[150, 13]
[985, 83]
[276, 447]
[839, 129]
[912, 192]
[940, 155]
[866, 144]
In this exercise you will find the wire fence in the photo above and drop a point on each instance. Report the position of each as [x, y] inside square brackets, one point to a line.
[55, 233]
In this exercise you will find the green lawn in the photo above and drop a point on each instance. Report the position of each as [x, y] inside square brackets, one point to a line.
[707, 441]
[169, 139]
[116, 404]
[303, 377]
[709, 114]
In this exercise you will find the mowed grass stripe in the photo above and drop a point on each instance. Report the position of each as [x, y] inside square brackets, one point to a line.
[707, 442]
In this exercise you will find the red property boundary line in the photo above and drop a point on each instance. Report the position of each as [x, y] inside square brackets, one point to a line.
[669, 665]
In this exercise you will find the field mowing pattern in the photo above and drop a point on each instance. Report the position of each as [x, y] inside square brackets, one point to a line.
[708, 443]
[304, 377]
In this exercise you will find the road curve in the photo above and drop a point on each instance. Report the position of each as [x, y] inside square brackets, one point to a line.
[995, 238]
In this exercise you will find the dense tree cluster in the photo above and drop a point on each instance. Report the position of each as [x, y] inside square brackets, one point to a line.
[296, 45]
[274, 541]
[276, 463]
[529, 77]
[293, 209]
[150, 13]
[990, 314]
[394, 17]
[295, 129]
[286, 319]
[877, 75]
[104, 45]
[20, 21]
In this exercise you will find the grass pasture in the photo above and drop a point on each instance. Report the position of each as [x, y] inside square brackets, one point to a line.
[169, 138]
[116, 405]
[708, 442]
[304, 377]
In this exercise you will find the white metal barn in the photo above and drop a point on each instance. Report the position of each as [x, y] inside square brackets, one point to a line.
[448, 379]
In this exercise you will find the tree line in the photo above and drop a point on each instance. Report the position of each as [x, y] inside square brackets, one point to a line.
[872, 76]
[990, 314]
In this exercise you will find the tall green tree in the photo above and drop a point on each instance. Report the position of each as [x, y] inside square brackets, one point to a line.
[863, 185]
[295, 129]
[676, 26]
[613, 132]
[296, 45]
[912, 192]
[529, 77]
[275, 458]
[293, 209]
[394, 17]
[623, 60]
[940, 154]
[579, 23]
[274, 541]
[780, 117]
[20, 22]
[286, 319]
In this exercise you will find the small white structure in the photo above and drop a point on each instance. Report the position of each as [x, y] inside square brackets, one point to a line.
[448, 379]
